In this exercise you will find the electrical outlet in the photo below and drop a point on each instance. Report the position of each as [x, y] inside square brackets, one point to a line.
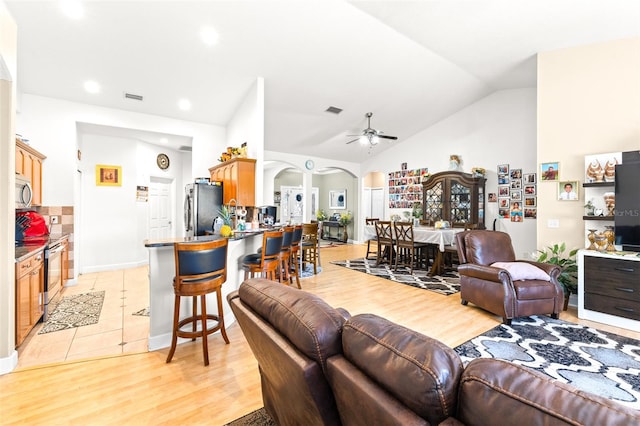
[55, 220]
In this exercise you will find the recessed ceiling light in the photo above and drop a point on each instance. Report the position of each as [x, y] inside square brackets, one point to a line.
[209, 35]
[72, 9]
[91, 86]
[184, 104]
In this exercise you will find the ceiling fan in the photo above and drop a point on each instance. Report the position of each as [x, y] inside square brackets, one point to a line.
[369, 135]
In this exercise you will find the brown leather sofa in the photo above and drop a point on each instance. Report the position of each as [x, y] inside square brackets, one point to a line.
[495, 288]
[318, 366]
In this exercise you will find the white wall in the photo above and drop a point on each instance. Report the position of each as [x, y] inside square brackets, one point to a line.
[498, 129]
[50, 125]
[114, 225]
[8, 46]
[247, 125]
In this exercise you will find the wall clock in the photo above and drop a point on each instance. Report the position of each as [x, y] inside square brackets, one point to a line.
[163, 161]
[309, 164]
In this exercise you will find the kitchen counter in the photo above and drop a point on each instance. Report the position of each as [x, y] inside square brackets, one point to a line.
[32, 245]
[162, 271]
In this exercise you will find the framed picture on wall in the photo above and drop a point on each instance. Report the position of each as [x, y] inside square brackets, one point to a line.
[108, 175]
[549, 171]
[338, 199]
[568, 190]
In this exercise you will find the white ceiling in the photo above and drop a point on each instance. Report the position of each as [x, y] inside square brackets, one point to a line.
[412, 63]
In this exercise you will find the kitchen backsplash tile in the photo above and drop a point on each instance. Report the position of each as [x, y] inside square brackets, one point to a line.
[65, 225]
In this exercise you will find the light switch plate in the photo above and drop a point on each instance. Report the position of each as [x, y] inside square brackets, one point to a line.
[553, 223]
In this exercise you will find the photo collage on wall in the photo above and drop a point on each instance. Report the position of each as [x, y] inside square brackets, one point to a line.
[516, 194]
[405, 187]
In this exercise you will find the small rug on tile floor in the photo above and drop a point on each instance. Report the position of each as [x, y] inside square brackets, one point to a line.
[447, 283]
[142, 312]
[595, 361]
[75, 311]
[260, 417]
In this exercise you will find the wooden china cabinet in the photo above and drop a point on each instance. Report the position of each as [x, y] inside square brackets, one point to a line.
[453, 196]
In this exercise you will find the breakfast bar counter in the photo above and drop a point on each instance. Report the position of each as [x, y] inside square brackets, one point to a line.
[162, 271]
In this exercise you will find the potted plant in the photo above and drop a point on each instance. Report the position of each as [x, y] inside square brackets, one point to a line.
[345, 219]
[568, 264]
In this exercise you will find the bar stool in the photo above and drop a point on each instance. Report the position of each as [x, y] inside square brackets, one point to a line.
[267, 260]
[285, 253]
[201, 268]
[295, 265]
[310, 245]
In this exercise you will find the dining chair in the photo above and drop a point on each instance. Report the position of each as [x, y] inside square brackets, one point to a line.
[310, 249]
[384, 239]
[408, 252]
[450, 255]
[371, 221]
[201, 268]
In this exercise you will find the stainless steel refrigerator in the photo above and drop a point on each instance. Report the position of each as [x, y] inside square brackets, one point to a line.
[202, 203]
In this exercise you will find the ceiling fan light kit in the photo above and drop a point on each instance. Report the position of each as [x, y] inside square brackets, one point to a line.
[370, 136]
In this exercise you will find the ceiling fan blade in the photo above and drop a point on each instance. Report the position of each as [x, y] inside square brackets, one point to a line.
[387, 137]
[355, 140]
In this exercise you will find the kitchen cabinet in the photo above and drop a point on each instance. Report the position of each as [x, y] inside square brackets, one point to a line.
[29, 164]
[238, 177]
[29, 294]
[455, 197]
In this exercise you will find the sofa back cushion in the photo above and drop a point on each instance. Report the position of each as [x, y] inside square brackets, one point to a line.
[413, 371]
[483, 247]
[493, 391]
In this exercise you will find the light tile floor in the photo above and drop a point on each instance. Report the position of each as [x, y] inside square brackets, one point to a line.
[117, 332]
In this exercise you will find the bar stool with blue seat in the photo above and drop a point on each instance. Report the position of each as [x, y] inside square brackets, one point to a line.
[285, 253]
[201, 268]
[267, 260]
[294, 263]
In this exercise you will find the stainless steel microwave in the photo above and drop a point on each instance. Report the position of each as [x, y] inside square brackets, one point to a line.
[24, 193]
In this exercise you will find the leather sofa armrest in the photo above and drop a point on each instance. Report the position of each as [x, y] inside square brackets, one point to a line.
[345, 314]
[487, 273]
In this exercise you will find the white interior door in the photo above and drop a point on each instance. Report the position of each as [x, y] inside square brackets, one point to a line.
[377, 203]
[160, 211]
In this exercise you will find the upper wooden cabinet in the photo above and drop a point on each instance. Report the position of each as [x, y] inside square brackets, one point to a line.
[29, 164]
[238, 177]
[455, 197]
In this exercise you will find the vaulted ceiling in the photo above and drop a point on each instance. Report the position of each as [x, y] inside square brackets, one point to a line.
[411, 63]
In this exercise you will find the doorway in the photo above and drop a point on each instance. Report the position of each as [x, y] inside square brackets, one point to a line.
[161, 196]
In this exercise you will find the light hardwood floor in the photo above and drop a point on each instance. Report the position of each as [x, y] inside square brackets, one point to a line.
[143, 389]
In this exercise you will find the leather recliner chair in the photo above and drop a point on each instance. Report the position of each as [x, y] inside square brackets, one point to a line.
[499, 290]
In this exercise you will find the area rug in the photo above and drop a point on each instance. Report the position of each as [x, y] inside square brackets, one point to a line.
[260, 417]
[75, 311]
[447, 283]
[592, 360]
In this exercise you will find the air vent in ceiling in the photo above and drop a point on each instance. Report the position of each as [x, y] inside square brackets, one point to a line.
[132, 96]
[334, 110]
[185, 148]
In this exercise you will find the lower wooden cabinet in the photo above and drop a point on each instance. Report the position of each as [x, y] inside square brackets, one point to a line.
[609, 288]
[29, 294]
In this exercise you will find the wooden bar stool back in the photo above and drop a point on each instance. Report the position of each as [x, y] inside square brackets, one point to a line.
[285, 253]
[201, 268]
[267, 260]
[310, 245]
[294, 264]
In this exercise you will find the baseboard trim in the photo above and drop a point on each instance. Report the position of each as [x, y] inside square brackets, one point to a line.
[8, 364]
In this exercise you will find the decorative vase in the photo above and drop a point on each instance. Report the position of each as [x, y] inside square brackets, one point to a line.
[592, 239]
[610, 170]
[345, 237]
[610, 235]
[601, 241]
[594, 171]
[610, 202]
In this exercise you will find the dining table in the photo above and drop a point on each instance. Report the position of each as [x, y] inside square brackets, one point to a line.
[440, 237]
